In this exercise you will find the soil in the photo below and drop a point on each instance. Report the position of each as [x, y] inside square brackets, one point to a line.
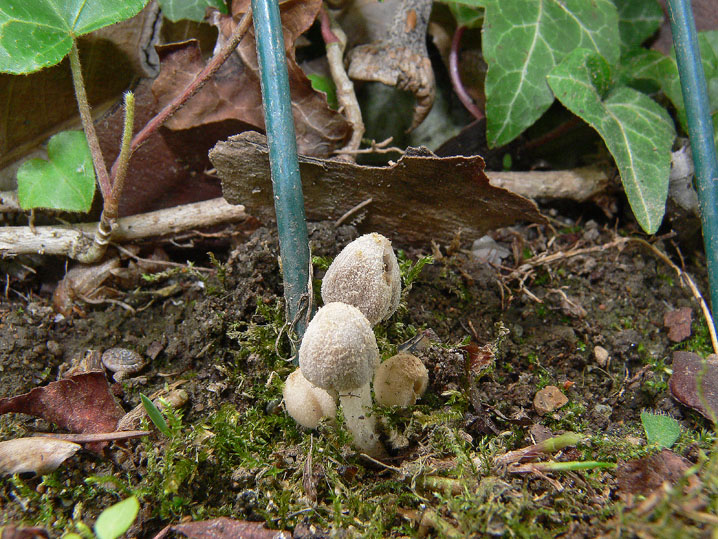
[496, 339]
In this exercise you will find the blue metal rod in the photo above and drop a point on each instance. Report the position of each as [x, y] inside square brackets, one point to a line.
[281, 139]
[700, 131]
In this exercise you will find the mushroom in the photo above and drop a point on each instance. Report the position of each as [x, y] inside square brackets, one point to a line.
[339, 353]
[400, 380]
[307, 403]
[365, 274]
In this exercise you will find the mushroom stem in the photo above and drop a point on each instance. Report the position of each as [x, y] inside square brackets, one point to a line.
[356, 406]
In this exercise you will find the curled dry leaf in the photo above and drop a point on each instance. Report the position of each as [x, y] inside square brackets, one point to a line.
[401, 58]
[36, 454]
[235, 93]
[82, 281]
[223, 527]
[82, 403]
[694, 382]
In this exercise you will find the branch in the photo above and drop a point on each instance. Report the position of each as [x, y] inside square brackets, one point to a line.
[72, 240]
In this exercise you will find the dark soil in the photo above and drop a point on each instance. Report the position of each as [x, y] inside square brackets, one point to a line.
[234, 452]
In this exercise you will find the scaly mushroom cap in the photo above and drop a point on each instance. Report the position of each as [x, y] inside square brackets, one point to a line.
[400, 380]
[366, 275]
[307, 403]
[339, 350]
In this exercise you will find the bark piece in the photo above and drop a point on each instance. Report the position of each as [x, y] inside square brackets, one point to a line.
[419, 198]
[678, 323]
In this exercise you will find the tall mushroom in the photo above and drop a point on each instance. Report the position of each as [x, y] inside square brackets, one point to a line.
[366, 275]
[339, 353]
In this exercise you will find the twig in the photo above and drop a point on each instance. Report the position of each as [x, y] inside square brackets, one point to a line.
[64, 240]
[455, 75]
[352, 211]
[335, 41]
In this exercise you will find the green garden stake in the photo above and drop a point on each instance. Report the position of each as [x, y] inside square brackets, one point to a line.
[286, 181]
[700, 131]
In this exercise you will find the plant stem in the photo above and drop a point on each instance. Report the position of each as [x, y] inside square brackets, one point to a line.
[700, 130]
[87, 124]
[120, 173]
[193, 87]
[455, 75]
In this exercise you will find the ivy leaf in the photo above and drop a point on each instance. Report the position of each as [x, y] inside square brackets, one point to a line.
[637, 131]
[523, 41]
[193, 10]
[637, 21]
[117, 519]
[467, 15]
[65, 182]
[38, 33]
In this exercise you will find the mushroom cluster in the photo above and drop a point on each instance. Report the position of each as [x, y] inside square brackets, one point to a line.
[339, 356]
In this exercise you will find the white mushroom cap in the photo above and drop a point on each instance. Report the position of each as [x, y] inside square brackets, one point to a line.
[400, 380]
[366, 275]
[307, 403]
[339, 350]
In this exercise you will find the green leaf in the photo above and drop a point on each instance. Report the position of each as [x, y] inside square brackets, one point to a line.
[326, 85]
[660, 429]
[467, 15]
[155, 416]
[637, 21]
[637, 131]
[523, 40]
[193, 10]
[117, 519]
[65, 182]
[38, 33]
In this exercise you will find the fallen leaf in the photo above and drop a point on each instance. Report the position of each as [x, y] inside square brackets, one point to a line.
[80, 404]
[12, 532]
[694, 382]
[678, 323]
[647, 474]
[235, 93]
[421, 196]
[38, 455]
[224, 527]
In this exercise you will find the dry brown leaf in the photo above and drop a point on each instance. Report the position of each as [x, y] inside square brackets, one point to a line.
[235, 93]
[694, 382]
[224, 528]
[82, 403]
[419, 198]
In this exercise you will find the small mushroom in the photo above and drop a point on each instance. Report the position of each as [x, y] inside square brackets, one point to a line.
[400, 380]
[307, 403]
[339, 353]
[366, 275]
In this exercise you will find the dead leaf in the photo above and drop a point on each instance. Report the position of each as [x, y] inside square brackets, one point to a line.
[694, 382]
[169, 168]
[11, 532]
[80, 404]
[678, 323]
[223, 527]
[647, 474]
[420, 197]
[36, 454]
[234, 92]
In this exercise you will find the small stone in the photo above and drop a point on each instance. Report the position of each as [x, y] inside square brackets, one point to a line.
[600, 354]
[549, 399]
[603, 409]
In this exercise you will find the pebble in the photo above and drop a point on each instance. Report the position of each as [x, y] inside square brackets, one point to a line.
[600, 354]
[549, 399]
